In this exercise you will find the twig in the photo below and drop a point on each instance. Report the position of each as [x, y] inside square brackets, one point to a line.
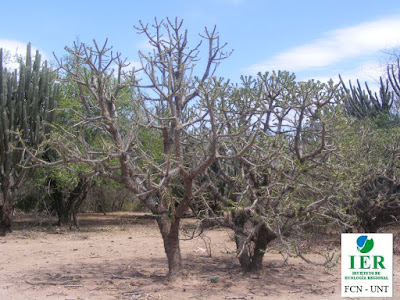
[42, 283]
[73, 285]
[132, 292]
[50, 282]
[206, 276]
[120, 277]
[57, 293]
[329, 262]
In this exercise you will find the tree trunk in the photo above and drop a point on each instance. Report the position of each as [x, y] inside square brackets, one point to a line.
[170, 234]
[59, 205]
[5, 210]
[67, 207]
[64, 218]
[76, 222]
[168, 215]
[263, 238]
[252, 239]
[244, 258]
[5, 221]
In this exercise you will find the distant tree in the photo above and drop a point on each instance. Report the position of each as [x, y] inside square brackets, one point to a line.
[28, 98]
[62, 191]
[67, 202]
[107, 196]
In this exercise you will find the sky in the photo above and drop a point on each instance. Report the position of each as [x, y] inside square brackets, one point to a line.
[314, 39]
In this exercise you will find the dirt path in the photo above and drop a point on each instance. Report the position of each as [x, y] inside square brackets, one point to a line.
[123, 258]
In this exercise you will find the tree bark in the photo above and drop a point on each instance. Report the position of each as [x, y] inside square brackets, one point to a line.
[5, 221]
[64, 218]
[168, 220]
[263, 238]
[252, 239]
[59, 205]
[170, 234]
[5, 210]
[244, 258]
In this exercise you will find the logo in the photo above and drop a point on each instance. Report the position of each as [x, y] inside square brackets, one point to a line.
[367, 265]
[364, 245]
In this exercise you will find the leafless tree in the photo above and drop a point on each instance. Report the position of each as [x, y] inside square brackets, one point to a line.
[118, 129]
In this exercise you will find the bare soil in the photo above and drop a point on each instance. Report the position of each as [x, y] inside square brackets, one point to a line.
[121, 256]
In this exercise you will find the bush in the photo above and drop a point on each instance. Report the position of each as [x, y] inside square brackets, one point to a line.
[106, 196]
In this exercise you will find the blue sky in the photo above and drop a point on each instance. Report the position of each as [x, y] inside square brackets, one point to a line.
[314, 39]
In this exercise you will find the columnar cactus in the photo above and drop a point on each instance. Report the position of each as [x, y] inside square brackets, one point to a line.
[364, 104]
[28, 98]
[393, 72]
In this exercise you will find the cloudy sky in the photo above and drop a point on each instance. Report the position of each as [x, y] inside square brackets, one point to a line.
[314, 39]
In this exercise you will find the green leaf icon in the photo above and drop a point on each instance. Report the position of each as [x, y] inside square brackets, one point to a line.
[369, 244]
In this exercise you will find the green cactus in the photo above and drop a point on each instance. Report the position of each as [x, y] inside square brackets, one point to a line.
[362, 104]
[28, 98]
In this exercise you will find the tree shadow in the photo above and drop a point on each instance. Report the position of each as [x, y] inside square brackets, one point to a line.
[87, 221]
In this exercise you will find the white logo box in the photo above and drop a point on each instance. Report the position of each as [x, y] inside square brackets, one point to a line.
[367, 264]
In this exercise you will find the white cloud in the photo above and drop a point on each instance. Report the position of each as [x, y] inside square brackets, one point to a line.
[17, 48]
[361, 40]
[135, 64]
[144, 46]
[369, 71]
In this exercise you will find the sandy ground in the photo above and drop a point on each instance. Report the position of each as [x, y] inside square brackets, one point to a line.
[121, 256]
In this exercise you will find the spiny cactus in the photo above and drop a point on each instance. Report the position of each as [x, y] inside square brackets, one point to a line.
[365, 104]
[393, 72]
[28, 99]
